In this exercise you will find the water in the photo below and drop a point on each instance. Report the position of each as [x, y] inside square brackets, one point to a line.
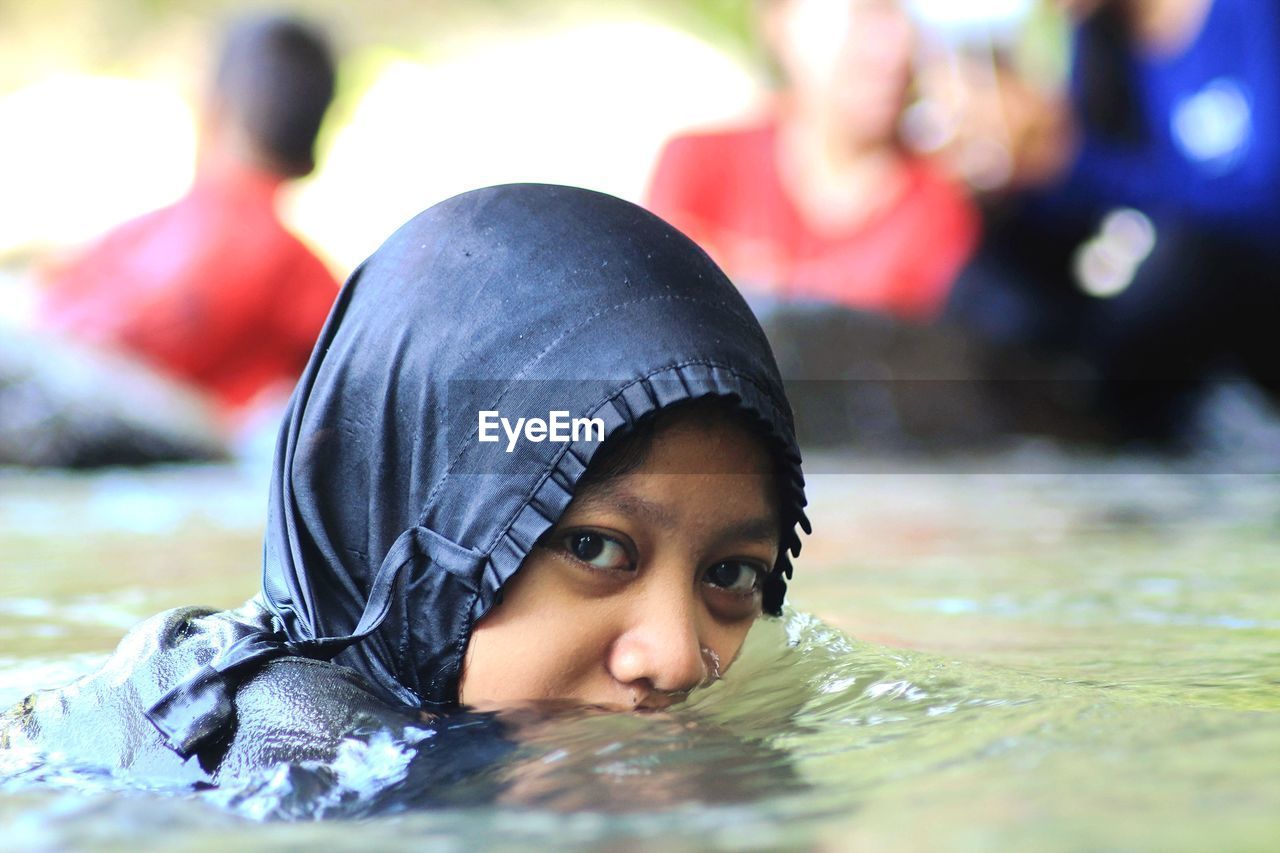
[977, 658]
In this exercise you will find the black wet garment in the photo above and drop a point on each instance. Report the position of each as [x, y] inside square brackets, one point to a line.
[292, 710]
[392, 526]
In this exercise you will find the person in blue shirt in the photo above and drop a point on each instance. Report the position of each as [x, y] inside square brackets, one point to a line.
[1172, 117]
[1204, 101]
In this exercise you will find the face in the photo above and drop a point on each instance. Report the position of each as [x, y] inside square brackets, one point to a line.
[647, 586]
[850, 57]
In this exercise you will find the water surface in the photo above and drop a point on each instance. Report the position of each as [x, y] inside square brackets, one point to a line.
[975, 657]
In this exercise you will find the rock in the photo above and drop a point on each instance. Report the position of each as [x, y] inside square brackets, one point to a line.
[64, 405]
[869, 380]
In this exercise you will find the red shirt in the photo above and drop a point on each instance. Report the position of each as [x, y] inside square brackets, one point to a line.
[212, 290]
[724, 191]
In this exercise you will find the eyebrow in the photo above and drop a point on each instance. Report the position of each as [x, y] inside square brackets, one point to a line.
[762, 529]
[757, 529]
[629, 504]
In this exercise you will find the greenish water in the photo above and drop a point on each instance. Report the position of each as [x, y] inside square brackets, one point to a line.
[978, 658]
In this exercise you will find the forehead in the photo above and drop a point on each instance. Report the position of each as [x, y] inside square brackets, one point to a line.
[703, 471]
[716, 444]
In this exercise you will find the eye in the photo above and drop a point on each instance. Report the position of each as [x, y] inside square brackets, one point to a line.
[598, 550]
[737, 576]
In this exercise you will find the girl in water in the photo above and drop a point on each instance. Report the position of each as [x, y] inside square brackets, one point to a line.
[611, 549]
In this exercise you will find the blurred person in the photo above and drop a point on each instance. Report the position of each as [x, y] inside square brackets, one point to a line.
[214, 290]
[818, 199]
[1172, 115]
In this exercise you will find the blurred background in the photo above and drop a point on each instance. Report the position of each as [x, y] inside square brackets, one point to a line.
[436, 97]
[1017, 260]
[433, 98]
[958, 224]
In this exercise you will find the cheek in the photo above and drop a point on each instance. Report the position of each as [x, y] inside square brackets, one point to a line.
[522, 651]
[723, 645]
[522, 661]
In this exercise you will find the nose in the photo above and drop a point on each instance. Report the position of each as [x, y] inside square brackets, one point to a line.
[660, 651]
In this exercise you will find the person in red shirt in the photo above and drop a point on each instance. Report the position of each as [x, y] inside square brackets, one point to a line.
[214, 290]
[818, 200]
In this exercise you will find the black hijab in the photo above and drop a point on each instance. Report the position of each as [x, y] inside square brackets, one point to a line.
[392, 528]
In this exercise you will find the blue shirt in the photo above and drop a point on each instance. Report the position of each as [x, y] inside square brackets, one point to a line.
[1211, 155]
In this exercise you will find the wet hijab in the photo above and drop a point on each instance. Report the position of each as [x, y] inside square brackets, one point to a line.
[392, 527]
